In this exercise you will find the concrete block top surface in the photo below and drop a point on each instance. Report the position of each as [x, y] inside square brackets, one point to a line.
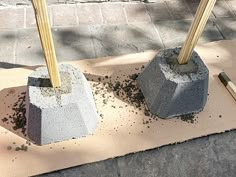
[45, 96]
[194, 70]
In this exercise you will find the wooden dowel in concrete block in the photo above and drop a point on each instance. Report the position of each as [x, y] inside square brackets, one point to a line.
[45, 34]
[202, 15]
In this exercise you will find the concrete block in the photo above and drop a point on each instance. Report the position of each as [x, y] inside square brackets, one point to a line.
[171, 89]
[63, 113]
[73, 43]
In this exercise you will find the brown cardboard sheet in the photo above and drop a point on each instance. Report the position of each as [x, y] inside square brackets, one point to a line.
[125, 125]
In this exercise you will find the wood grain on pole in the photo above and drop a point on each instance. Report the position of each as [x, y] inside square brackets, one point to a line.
[45, 34]
[202, 15]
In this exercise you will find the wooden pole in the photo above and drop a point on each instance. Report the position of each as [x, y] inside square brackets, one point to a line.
[202, 15]
[41, 15]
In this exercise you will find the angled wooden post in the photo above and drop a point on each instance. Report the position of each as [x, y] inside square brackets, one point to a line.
[45, 34]
[202, 15]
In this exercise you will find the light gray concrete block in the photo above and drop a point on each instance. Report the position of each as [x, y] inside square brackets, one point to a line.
[62, 113]
[171, 89]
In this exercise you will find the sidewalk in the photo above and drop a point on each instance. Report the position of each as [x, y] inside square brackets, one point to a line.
[92, 30]
[101, 29]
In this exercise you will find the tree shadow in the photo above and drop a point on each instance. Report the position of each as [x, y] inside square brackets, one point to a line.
[173, 28]
[86, 42]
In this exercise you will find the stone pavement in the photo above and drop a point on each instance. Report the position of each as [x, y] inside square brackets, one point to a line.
[91, 30]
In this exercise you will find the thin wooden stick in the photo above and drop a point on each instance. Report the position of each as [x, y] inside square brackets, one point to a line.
[40, 9]
[202, 15]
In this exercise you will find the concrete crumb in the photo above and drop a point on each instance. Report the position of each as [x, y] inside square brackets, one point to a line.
[189, 118]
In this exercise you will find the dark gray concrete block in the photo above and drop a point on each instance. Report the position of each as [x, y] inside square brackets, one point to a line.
[171, 89]
[62, 113]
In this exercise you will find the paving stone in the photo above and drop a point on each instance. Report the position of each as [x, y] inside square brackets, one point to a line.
[106, 168]
[222, 9]
[27, 2]
[136, 13]
[70, 44]
[158, 11]
[227, 27]
[89, 14]
[174, 33]
[7, 46]
[113, 14]
[179, 9]
[64, 15]
[205, 157]
[193, 7]
[143, 32]
[28, 48]
[110, 40]
[232, 5]
[30, 17]
[73, 43]
[11, 18]
[14, 2]
[210, 33]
